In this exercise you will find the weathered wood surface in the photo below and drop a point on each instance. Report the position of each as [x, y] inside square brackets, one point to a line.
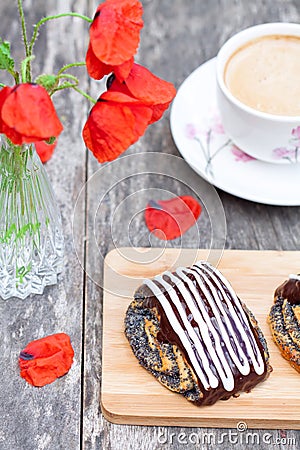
[178, 36]
[32, 418]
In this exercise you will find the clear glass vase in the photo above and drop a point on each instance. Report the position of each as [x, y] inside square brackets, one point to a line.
[31, 238]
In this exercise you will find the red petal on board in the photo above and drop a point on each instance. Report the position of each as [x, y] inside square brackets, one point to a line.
[115, 31]
[170, 219]
[44, 360]
[28, 115]
[111, 128]
[44, 150]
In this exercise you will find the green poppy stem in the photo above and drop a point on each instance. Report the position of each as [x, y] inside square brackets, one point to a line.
[69, 66]
[69, 85]
[46, 19]
[69, 77]
[23, 23]
[24, 68]
[25, 39]
[84, 94]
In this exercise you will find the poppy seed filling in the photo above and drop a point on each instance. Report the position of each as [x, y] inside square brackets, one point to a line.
[190, 330]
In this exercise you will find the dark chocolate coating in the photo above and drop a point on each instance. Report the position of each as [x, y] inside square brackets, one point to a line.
[289, 290]
[166, 335]
[284, 320]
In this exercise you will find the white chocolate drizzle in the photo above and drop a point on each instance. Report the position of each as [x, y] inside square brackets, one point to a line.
[292, 276]
[221, 337]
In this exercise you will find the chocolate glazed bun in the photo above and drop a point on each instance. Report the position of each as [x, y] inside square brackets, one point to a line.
[284, 320]
[190, 330]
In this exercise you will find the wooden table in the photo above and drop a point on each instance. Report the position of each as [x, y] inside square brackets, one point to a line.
[178, 36]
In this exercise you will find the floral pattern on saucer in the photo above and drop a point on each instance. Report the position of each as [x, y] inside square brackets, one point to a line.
[199, 136]
[205, 137]
[241, 156]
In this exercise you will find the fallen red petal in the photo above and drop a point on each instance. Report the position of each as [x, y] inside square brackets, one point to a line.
[115, 31]
[170, 219]
[44, 150]
[44, 360]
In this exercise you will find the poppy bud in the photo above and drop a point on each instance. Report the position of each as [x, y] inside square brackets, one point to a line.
[114, 38]
[27, 114]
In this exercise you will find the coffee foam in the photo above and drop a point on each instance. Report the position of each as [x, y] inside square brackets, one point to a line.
[264, 74]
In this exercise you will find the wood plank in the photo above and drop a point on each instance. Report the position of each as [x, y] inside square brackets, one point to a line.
[131, 395]
[48, 418]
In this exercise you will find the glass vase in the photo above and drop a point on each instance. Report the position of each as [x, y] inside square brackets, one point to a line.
[31, 238]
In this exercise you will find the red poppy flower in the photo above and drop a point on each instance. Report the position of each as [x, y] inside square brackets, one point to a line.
[124, 112]
[44, 150]
[44, 360]
[112, 127]
[147, 88]
[170, 219]
[114, 36]
[27, 114]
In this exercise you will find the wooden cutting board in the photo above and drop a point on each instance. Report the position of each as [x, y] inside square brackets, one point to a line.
[130, 395]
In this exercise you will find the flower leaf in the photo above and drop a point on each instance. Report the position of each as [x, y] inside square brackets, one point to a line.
[49, 82]
[6, 61]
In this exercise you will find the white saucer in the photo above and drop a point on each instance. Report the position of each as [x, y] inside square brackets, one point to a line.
[198, 133]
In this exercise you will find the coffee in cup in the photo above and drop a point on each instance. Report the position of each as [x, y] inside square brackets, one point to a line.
[258, 91]
[264, 74]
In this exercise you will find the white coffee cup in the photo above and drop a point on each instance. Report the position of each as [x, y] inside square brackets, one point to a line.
[264, 136]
